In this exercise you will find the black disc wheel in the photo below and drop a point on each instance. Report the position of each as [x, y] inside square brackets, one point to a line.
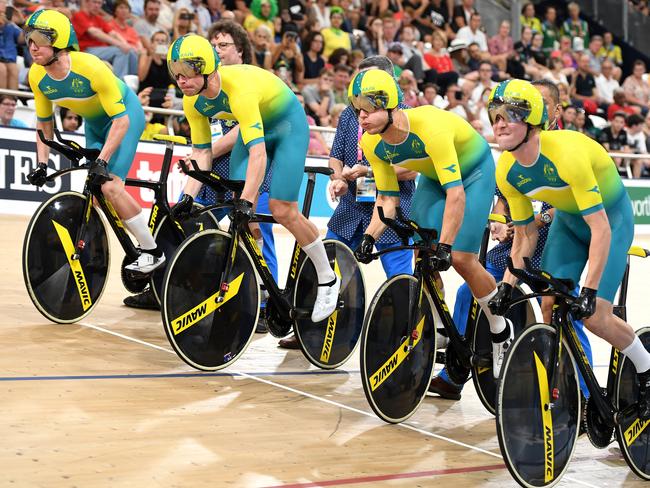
[168, 238]
[330, 343]
[521, 315]
[133, 282]
[65, 288]
[395, 377]
[207, 334]
[537, 421]
[632, 433]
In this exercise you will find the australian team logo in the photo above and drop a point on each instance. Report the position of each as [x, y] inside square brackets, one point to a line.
[550, 172]
[416, 146]
[78, 85]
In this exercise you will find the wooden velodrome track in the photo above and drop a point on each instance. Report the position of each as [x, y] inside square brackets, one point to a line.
[107, 403]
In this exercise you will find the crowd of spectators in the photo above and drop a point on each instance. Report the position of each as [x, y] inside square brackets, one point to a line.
[441, 51]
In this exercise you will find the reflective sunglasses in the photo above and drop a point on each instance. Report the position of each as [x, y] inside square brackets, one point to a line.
[40, 37]
[368, 103]
[509, 112]
[188, 68]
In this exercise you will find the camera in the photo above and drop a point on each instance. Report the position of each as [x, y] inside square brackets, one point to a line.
[458, 95]
[161, 49]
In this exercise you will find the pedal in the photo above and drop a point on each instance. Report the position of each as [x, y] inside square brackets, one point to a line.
[441, 357]
[340, 305]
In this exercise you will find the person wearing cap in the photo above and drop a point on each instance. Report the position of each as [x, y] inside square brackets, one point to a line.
[459, 56]
[113, 115]
[333, 36]
[455, 189]
[273, 136]
[584, 187]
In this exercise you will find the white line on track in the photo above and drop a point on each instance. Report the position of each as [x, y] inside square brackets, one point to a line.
[325, 400]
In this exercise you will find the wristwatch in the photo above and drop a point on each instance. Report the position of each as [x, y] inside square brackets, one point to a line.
[545, 217]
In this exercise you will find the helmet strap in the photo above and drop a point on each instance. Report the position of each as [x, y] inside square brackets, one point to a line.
[55, 57]
[205, 83]
[524, 140]
[389, 122]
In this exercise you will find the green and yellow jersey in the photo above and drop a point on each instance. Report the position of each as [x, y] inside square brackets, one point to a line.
[440, 145]
[573, 173]
[250, 95]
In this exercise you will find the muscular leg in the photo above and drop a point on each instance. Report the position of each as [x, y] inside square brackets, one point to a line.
[3, 75]
[12, 76]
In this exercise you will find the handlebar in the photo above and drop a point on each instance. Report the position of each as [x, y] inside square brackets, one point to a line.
[638, 251]
[69, 148]
[409, 227]
[540, 281]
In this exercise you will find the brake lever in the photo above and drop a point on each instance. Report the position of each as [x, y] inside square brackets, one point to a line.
[89, 154]
[404, 233]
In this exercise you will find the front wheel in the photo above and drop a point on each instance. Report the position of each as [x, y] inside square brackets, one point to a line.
[62, 288]
[632, 434]
[395, 378]
[330, 343]
[206, 334]
[537, 434]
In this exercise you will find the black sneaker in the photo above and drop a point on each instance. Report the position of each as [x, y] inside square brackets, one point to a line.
[145, 300]
[644, 395]
[261, 327]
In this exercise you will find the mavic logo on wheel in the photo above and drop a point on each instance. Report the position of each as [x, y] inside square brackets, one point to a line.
[331, 326]
[634, 431]
[547, 419]
[75, 265]
[206, 307]
[389, 367]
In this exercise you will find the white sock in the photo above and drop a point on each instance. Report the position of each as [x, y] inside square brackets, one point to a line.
[138, 227]
[316, 252]
[497, 322]
[638, 354]
[260, 243]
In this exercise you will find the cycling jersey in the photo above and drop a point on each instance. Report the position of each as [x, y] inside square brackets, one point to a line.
[92, 90]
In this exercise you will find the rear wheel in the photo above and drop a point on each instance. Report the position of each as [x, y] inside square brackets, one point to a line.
[65, 289]
[205, 334]
[395, 379]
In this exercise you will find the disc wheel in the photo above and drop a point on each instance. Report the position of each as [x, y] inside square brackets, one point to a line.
[167, 240]
[632, 434]
[395, 379]
[521, 315]
[205, 334]
[536, 438]
[133, 283]
[330, 343]
[64, 289]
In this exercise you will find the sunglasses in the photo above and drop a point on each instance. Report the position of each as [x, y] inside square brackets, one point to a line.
[368, 103]
[510, 113]
[187, 68]
[40, 37]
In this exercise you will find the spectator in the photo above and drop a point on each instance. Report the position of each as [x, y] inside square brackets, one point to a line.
[389, 30]
[462, 14]
[339, 56]
[7, 110]
[595, 45]
[356, 56]
[552, 102]
[569, 117]
[484, 82]
[198, 9]
[610, 51]
[565, 53]
[317, 145]
[606, 84]
[621, 105]
[472, 33]
[10, 37]
[636, 88]
[440, 62]
[458, 102]
[430, 96]
[120, 24]
[412, 52]
[319, 97]
[320, 11]
[637, 142]
[646, 130]
[501, 46]
[396, 55]
[481, 120]
[550, 31]
[216, 9]
[148, 25]
[409, 87]
[287, 54]
[262, 13]
[563, 90]
[614, 137]
[528, 18]
[537, 52]
[373, 42]
[312, 57]
[152, 69]
[574, 27]
[70, 121]
[459, 56]
[431, 16]
[97, 37]
[474, 61]
[342, 75]
[261, 40]
[185, 22]
[523, 64]
[556, 71]
[333, 36]
[335, 114]
[583, 86]
[584, 125]
[152, 127]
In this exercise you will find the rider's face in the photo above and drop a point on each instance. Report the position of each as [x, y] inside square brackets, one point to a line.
[373, 122]
[40, 54]
[508, 134]
[190, 86]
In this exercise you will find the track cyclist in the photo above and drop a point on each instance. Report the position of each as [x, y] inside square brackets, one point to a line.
[576, 176]
[112, 112]
[273, 131]
[455, 191]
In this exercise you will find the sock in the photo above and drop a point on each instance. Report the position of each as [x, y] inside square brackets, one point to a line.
[638, 354]
[316, 252]
[138, 227]
[497, 323]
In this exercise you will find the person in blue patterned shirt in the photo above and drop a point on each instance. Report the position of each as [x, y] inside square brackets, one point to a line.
[497, 258]
[351, 217]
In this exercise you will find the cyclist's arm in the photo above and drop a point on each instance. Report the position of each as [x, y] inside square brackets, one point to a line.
[224, 144]
[203, 156]
[44, 116]
[42, 149]
[388, 196]
[598, 247]
[523, 246]
[254, 171]
[404, 174]
[388, 203]
[116, 133]
[452, 217]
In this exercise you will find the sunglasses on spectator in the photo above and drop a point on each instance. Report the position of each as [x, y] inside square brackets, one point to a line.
[186, 16]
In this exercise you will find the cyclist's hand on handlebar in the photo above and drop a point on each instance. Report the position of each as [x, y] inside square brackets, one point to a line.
[243, 211]
[364, 252]
[585, 305]
[498, 304]
[182, 209]
[98, 173]
[441, 258]
[38, 177]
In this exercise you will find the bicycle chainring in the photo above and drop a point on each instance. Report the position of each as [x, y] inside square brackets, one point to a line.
[600, 434]
[278, 326]
[457, 371]
[132, 282]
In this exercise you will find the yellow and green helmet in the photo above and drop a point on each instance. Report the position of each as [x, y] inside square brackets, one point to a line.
[518, 101]
[51, 28]
[373, 89]
[192, 55]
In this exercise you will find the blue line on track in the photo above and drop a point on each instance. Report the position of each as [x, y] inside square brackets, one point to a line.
[169, 375]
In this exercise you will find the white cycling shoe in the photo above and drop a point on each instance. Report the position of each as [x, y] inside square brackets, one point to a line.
[145, 263]
[500, 344]
[326, 300]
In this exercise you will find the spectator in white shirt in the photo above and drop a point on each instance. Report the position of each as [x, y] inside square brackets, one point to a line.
[606, 83]
[484, 81]
[637, 140]
[148, 25]
[196, 7]
[473, 33]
